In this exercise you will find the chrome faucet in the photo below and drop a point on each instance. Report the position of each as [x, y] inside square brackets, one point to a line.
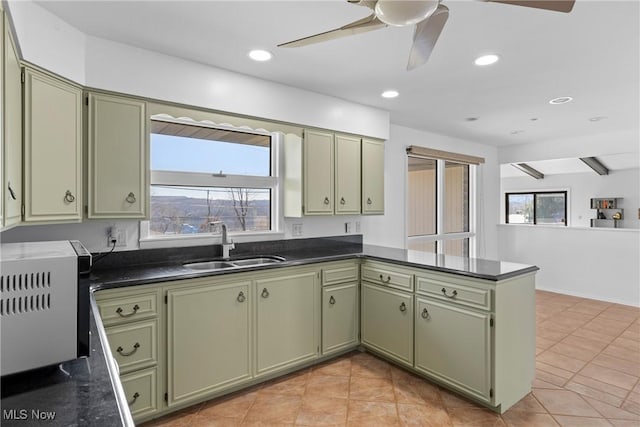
[226, 244]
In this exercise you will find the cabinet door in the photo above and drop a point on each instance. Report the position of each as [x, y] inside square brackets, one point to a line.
[287, 321]
[52, 149]
[118, 159]
[347, 166]
[339, 317]
[208, 338]
[318, 173]
[12, 132]
[372, 177]
[387, 322]
[453, 345]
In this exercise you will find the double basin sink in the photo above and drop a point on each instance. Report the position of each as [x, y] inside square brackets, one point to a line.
[234, 263]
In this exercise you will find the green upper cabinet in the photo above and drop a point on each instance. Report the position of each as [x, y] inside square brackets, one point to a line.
[117, 157]
[372, 177]
[11, 132]
[318, 179]
[52, 149]
[347, 175]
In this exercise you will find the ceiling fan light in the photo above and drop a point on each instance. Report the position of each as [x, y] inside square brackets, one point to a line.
[486, 59]
[399, 13]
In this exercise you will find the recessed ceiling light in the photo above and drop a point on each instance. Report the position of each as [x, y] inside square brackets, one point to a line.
[390, 94]
[597, 119]
[561, 100]
[486, 59]
[533, 119]
[471, 119]
[260, 55]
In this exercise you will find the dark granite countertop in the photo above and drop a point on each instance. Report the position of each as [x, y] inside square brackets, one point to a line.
[171, 266]
[81, 392]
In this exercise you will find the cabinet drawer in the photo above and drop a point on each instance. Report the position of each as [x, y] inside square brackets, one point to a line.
[131, 308]
[140, 389]
[134, 345]
[386, 275]
[454, 292]
[339, 274]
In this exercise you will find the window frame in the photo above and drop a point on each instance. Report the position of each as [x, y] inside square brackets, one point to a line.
[215, 180]
[440, 236]
[535, 216]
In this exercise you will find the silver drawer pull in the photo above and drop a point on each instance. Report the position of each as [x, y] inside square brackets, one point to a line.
[403, 307]
[332, 300]
[326, 201]
[241, 297]
[453, 294]
[120, 350]
[382, 279]
[425, 313]
[135, 310]
[136, 395]
[131, 198]
[265, 293]
[69, 197]
[11, 192]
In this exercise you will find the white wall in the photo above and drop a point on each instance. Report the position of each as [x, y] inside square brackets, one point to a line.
[47, 41]
[581, 188]
[593, 263]
[391, 228]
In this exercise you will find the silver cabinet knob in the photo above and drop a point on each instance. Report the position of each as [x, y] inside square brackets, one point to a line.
[131, 198]
[425, 313]
[332, 300]
[241, 297]
[403, 307]
[265, 293]
[69, 197]
[326, 201]
[342, 201]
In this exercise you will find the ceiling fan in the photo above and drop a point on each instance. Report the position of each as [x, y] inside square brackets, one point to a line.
[428, 16]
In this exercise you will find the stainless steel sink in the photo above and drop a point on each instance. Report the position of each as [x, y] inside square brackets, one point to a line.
[209, 265]
[238, 263]
[257, 261]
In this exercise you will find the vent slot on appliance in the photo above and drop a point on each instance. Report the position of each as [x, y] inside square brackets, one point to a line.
[24, 293]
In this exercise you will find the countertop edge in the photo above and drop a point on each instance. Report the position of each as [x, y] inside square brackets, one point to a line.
[114, 376]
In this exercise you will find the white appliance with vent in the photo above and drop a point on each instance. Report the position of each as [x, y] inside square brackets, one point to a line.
[38, 305]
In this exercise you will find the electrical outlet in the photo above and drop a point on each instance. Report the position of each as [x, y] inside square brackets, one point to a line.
[296, 229]
[117, 234]
[347, 227]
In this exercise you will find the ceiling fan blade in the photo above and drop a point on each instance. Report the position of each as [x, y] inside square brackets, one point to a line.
[363, 25]
[426, 36]
[557, 5]
[371, 4]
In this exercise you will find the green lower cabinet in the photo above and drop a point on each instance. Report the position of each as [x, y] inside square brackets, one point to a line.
[387, 322]
[339, 317]
[452, 345]
[287, 321]
[208, 339]
[140, 390]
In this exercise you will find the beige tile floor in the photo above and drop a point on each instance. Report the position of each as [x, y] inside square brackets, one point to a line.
[587, 371]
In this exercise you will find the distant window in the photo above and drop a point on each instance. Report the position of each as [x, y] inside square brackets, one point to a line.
[202, 175]
[536, 208]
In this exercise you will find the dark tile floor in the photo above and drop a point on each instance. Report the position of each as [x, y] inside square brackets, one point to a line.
[587, 374]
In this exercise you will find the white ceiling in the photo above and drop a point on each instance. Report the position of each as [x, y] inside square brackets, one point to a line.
[613, 162]
[591, 54]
